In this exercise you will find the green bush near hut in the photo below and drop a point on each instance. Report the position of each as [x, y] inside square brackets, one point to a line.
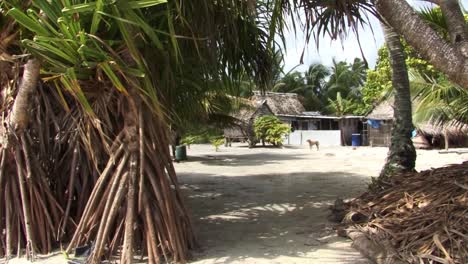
[269, 129]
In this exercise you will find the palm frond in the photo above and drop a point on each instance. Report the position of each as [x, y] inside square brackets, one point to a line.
[438, 101]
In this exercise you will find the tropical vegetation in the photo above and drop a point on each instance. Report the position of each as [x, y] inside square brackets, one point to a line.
[436, 100]
[91, 90]
[320, 86]
[269, 129]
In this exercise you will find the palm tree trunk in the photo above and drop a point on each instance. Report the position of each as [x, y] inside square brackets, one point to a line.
[456, 24]
[402, 155]
[446, 57]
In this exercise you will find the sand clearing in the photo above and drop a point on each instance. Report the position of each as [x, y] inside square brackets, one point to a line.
[267, 205]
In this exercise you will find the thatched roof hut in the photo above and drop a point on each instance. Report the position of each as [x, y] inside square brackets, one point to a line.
[454, 130]
[245, 116]
[383, 111]
[281, 104]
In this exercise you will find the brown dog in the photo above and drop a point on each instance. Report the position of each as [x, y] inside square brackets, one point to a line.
[312, 142]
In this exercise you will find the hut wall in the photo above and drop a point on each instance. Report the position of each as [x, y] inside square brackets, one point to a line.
[349, 126]
[380, 137]
[234, 132]
[325, 137]
[244, 129]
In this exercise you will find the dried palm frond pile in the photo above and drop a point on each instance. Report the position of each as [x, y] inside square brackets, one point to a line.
[423, 216]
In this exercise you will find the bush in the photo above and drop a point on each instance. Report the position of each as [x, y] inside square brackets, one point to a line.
[189, 140]
[271, 130]
[217, 142]
[201, 135]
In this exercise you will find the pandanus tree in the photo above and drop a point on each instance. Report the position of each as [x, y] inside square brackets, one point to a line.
[87, 146]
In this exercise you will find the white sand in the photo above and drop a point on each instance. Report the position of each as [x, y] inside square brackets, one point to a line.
[267, 205]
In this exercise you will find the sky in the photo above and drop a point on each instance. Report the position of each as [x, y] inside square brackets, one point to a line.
[371, 39]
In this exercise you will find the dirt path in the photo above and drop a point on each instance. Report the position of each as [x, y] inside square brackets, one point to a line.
[270, 205]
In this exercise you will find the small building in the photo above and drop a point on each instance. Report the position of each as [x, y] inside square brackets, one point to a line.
[329, 130]
[379, 125]
[427, 135]
[243, 129]
[452, 134]
[285, 106]
[345, 126]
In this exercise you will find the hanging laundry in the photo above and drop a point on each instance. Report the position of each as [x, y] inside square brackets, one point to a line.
[374, 123]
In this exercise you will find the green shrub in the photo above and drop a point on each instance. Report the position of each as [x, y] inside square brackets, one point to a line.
[271, 130]
[217, 142]
[189, 140]
[201, 135]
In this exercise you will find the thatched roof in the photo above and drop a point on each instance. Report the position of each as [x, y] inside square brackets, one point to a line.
[245, 116]
[383, 111]
[280, 103]
[248, 109]
[452, 128]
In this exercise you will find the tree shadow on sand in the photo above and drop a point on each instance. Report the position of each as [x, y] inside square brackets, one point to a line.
[254, 159]
[268, 216]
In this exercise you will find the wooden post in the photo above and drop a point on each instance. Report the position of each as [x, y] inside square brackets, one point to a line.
[446, 139]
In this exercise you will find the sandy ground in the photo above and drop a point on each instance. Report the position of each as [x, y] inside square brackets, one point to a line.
[267, 205]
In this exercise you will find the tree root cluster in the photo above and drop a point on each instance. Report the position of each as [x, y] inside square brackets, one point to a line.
[69, 179]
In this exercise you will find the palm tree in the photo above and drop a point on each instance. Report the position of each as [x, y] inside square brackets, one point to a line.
[451, 58]
[346, 79]
[305, 86]
[316, 77]
[340, 80]
[339, 17]
[339, 107]
[439, 101]
[402, 154]
[114, 75]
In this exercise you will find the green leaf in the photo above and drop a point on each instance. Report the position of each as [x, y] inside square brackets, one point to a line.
[80, 8]
[91, 54]
[134, 72]
[51, 11]
[96, 16]
[59, 53]
[145, 3]
[97, 6]
[28, 22]
[64, 27]
[136, 20]
[113, 77]
[70, 82]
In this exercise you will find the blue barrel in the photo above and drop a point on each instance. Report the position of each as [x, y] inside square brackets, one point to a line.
[181, 153]
[356, 140]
